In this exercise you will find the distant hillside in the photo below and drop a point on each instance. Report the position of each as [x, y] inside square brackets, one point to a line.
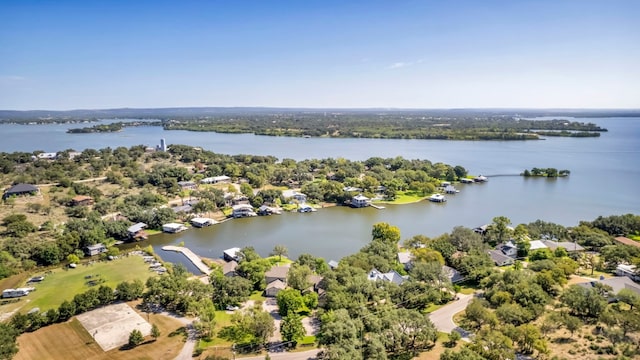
[195, 112]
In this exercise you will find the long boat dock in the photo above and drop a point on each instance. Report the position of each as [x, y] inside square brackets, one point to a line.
[191, 256]
[376, 206]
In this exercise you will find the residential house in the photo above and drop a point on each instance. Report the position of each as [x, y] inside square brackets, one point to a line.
[332, 264]
[360, 201]
[499, 258]
[453, 274]
[21, 190]
[567, 245]
[616, 283]
[265, 210]
[509, 248]
[276, 273]
[630, 271]
[95, 249]
[242, 210]
[406, 259]
[273, 288]
[136, 231]
[536, 245]
[391, 276]
[216, 180]
[81, 200]
[187, 185]
[231, 254]
[229, 268]
[626, 241]
[45, 156]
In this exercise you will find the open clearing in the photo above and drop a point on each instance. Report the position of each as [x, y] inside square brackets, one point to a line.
[111, 325]
[71, 341]
[64, 284]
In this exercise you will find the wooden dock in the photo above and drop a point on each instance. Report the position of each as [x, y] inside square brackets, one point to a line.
[376, 206]
[191, 256]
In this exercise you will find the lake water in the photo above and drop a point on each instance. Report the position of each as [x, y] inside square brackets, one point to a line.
[604, 181]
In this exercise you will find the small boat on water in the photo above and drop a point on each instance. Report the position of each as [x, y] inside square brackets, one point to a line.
[437, 198]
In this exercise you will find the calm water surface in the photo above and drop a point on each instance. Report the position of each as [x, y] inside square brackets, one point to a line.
[604, 181]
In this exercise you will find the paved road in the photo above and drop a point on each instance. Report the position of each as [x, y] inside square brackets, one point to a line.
[303, 355]
[443, 317]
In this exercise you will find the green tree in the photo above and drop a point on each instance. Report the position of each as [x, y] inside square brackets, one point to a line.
[73, 259]
[289, 301]
[155, 331]
[298, 277]
[279, 251]
[291, 328]
[8, 343]
[135, 338]
[385, 232]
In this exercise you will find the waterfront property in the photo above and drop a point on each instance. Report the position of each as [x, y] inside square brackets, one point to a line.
[437, 198]
[95, 249]
[231, 254]
[195, 260]
[276, 273]
[229, 268]
[265, 210]
[202, 222]
[274, 287]
[466, 181]
[242, 210]
[450, 189]
[304, 208]
[173, 228]
[391, 276]
[360, 201]
[136, 231]
[480, 178]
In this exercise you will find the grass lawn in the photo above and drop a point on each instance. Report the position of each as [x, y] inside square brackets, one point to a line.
[71, 341]
[431, 308]
[64, 284]
[404, 197]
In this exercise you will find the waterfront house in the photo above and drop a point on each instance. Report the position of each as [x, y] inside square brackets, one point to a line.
[242, 210]
[273, 288]
[229, 268]
[202, 222]
[276, 273]
[268, 210]
[21, 190]
[480, 178]
[437, 198]
[231, 254]
[136, 231]
[466, 181]
[187, 208]
[304, 208]
[173, 228]
[81, 200]
[95, 249]
[450, 189]
[626, 241]
[360, 201]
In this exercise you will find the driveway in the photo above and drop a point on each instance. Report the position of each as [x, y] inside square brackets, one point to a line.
[270, 305]
[443, 317]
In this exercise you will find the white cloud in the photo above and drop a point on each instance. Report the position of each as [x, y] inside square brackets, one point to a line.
[399, 65]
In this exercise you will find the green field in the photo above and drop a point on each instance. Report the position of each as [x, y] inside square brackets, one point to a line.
[64, 284]
[404, 197]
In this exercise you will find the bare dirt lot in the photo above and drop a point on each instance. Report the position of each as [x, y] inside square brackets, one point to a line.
[110, 326]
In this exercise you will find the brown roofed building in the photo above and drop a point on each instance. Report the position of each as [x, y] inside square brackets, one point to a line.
[81, 200]
[626, 241]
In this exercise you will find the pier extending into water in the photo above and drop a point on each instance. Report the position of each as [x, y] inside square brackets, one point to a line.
[191, 256]
[376, 206]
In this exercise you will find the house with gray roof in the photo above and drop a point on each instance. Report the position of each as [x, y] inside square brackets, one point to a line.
[391, 276]
[21, 190]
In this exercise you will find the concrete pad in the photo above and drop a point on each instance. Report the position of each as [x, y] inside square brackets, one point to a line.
[111, 325]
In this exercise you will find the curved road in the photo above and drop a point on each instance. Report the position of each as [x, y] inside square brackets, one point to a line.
[443, 317]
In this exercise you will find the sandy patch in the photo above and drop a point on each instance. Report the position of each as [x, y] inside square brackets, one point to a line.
[111, 325]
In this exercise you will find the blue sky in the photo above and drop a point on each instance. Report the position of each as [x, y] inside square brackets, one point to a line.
[404, 54]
